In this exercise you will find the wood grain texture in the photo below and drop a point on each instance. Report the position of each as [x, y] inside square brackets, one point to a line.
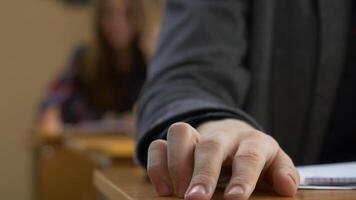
[130, 183]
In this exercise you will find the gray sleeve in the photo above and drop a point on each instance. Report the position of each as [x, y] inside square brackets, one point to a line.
[198, 68]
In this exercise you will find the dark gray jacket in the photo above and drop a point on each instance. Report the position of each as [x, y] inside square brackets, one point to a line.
[274, 62]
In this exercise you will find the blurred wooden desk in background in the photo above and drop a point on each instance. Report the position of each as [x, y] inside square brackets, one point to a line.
[130, 183]
[63, 165]
[103, 149]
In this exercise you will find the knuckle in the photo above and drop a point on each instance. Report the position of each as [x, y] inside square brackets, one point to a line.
[209, 144]
[250, 155]
[155, 153]
[156, 145]
[273, 143]
[253, 132]
[176, 129]
[263, 140]
[222, 131]
[256, 135]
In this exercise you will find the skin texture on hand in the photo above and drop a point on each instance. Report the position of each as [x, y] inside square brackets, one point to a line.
[191, 161]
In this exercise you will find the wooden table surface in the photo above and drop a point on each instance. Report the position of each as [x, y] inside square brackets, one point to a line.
[130, 183]
[68, 160]
[113, 145]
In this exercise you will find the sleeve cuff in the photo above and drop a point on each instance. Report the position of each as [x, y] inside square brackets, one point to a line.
[193, 120]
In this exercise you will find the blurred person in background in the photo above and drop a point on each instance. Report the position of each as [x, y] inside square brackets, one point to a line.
[102, 79]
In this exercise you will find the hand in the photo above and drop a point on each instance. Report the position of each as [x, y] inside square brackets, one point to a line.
[190, 162]
[49, 124]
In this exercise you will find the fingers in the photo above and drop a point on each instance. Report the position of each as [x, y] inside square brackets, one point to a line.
[254, 151]
[189, 163]
[283, 175]
[181, 140]
[210, 153]
[157, 169]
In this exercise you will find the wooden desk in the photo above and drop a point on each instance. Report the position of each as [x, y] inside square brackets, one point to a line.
[105, 150]
[64, 165]
[129, 183]
[116, 146]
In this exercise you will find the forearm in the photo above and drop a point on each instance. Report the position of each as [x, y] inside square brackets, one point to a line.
[198, 69]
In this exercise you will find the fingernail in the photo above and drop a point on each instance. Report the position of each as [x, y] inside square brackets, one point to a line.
[287, 173]
[235, 190]
[292, 178]
[163, 189]
[197, 190]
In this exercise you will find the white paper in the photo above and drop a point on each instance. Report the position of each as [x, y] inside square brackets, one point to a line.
[339, 170]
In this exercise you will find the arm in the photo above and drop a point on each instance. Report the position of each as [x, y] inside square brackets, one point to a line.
[198, 69]
[199, 76]
[63, 88]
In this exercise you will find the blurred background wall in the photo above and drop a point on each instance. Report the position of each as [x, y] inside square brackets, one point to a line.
[36, 37]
